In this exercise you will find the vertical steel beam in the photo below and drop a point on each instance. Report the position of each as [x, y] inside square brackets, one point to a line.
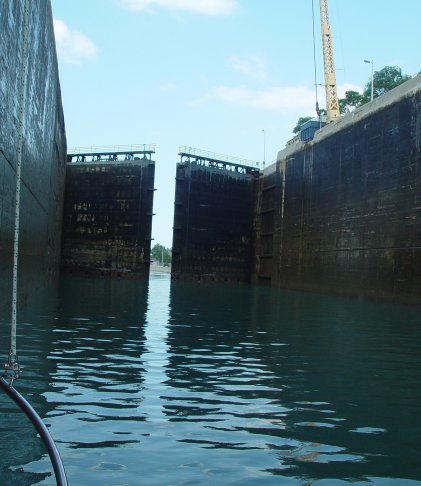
[332, 102]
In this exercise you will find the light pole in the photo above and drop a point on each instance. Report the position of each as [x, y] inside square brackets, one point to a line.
[372, 76]
[264, 148]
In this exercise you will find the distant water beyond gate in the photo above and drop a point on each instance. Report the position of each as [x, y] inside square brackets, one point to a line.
[166, 382]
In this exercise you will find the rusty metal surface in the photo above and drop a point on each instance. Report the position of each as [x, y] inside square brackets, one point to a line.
[213, 220]
[44, 146]
[107, 222]
[348, 216]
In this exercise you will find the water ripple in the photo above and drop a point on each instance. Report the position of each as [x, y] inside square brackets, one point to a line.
[264, 387]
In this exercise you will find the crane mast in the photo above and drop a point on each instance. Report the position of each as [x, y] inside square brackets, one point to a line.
[332, 102]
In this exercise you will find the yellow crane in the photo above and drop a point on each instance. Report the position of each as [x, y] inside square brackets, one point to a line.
[332, 102]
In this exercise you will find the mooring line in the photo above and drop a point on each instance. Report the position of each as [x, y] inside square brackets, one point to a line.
[12, 367]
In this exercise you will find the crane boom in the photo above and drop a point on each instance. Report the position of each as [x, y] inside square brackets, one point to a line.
[332, 102]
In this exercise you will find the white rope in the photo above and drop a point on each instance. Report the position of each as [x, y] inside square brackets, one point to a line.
[314, 59]
[12, 367]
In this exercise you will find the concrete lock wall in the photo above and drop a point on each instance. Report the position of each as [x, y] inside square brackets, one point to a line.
[108, 213]
[213, 221]
[44, 146]
[343, 213]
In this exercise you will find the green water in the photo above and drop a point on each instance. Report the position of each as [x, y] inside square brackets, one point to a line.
[166, 384]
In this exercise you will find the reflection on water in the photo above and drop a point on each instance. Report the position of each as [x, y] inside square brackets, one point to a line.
[159, 383]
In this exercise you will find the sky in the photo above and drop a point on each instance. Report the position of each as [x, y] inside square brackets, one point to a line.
[225, 76]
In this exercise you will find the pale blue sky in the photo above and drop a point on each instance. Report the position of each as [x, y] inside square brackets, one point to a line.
[212, 74]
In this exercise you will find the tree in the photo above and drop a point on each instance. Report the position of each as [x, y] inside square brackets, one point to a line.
[350, 102]
[384, 80]
[161, 254]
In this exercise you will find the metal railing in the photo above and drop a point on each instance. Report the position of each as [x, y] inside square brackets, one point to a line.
[114, 153]
[186, 151]
[139, 148]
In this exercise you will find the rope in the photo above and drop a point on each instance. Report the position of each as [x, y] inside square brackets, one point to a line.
[12, 367]
[314, 60]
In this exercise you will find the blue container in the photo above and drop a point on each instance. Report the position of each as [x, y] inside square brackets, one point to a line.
[309, 128]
